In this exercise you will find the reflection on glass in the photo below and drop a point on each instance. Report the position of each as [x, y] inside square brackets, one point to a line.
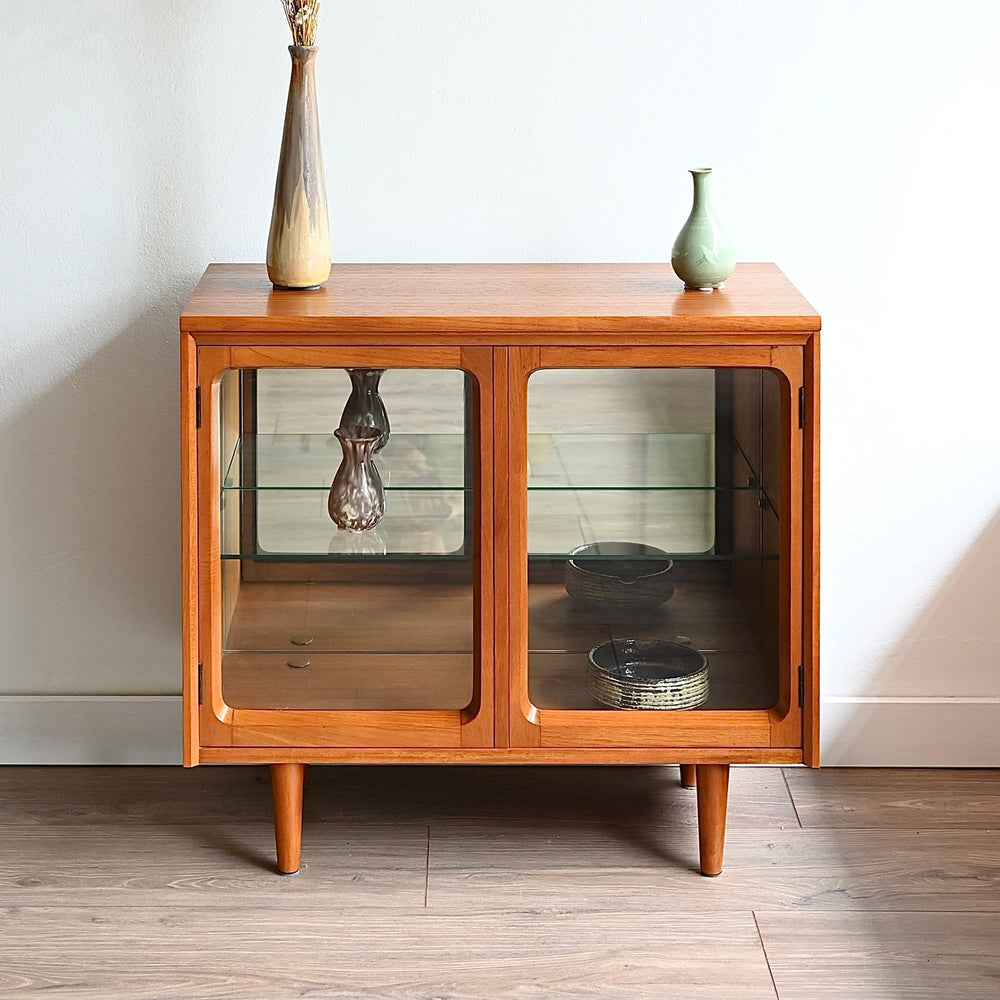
[364, 407]
[652, 518]
[286, 456]
[322, 619]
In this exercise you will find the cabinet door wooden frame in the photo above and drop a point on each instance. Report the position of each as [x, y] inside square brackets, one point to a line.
[774, 734]
[318, 734]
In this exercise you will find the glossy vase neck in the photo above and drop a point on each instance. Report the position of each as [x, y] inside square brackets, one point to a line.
[700, 176]
[304, 55]
[358, 446]
[364, 381]
[302, 84]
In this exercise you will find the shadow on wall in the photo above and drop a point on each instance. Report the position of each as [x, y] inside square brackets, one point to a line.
[948, 663]
[89, 592]
[91, 525]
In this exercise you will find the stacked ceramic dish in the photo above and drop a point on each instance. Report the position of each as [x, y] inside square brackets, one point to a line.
[619, 575]
[647, 674]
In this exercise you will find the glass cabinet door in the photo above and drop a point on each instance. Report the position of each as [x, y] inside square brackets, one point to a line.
[657, 574]
[350, 584]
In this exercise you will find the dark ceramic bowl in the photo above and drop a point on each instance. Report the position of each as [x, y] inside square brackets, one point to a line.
[619, 575]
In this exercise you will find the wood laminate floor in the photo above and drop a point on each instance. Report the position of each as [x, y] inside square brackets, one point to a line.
[480, 882]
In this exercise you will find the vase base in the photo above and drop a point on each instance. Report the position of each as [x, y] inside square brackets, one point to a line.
[295, 288]
[706, 288]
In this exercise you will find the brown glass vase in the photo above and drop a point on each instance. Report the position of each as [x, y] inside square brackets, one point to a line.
[357, 499]
[364, 407]
[298, 245]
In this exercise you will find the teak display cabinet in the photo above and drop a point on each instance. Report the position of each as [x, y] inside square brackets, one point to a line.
[534, 409]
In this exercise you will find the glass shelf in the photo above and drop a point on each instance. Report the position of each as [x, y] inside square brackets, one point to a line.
[295, 523]
[309, 461]
[658, 489]
[556, 462]
[621, 461]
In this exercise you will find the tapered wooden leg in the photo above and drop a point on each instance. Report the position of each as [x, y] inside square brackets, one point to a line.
[713, 794]
[286, 791]
[688, 776]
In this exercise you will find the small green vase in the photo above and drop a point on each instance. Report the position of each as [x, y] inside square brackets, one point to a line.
[702, 256]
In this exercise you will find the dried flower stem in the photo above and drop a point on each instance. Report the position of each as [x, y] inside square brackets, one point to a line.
[302, 16]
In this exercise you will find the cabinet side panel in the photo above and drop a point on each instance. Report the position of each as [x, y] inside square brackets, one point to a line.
[811, 560]
[189, 547]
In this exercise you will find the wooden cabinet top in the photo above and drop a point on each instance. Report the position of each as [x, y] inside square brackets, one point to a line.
[517, 300]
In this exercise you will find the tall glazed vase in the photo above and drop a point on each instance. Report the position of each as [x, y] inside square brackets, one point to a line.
[298, 245]
[702, 256]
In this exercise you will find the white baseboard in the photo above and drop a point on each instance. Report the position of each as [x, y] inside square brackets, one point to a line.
[90, 729]
[856, 732]
[910, 732]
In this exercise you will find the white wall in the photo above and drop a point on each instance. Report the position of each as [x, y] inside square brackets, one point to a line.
[854, 143]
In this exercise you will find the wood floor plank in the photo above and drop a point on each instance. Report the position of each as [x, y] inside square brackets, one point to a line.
[887, 798]
[192, 866]
[542, 882]
[100, 952]
[49, 796]
[883, 956]
[595, 867]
